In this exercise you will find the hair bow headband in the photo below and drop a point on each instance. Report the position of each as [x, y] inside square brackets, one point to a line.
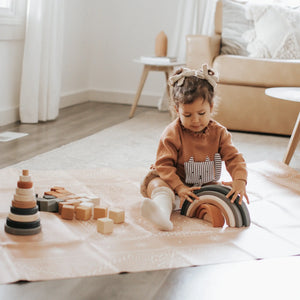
[203, 73]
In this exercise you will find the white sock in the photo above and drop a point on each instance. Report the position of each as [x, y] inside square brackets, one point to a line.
[158, 209]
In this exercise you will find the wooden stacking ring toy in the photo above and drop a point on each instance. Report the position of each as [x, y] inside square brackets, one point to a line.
[235, 214]
[24, 218]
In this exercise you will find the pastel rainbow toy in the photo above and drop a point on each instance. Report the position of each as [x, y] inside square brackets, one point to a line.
[212, 197]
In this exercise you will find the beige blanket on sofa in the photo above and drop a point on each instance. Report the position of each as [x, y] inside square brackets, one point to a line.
[67, 249]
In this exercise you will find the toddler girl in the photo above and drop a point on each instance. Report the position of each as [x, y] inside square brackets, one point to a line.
[189, 148]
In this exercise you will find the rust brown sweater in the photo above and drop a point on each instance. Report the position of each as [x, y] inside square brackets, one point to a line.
[178, 144]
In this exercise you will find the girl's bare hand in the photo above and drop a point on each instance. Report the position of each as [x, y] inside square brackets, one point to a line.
[238, 188]
[186, 193]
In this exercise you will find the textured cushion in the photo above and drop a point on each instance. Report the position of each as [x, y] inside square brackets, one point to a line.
[234, 24]
[276, 31]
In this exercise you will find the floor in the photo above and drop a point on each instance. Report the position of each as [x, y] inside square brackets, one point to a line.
[262, 279]
[73, 123]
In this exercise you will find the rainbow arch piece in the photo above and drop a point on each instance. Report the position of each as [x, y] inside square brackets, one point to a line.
[236, 215]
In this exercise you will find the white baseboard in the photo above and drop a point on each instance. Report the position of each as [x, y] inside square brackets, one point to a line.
[73, 98]
[9, 116]
[122, 98]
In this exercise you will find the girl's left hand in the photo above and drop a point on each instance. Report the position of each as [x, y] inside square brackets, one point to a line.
[238, 188]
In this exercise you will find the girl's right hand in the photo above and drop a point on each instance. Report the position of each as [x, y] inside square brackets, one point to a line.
[186, 193]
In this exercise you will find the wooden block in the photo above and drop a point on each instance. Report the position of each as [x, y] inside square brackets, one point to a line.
[100, 212]
[74, 203]
[55, 188]
[67, 212]
[105, 225]
[49, 205]
[83, 213]
[94, 199]
[51, 193]
[60, 205]
[117, 215]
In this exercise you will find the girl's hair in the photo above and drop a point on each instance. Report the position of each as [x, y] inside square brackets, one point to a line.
[192, 88]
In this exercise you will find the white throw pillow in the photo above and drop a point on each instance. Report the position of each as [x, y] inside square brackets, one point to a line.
[234, 24]
[276, 32]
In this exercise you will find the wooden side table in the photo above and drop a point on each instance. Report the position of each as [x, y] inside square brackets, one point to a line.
[167, 68]
[289, 94]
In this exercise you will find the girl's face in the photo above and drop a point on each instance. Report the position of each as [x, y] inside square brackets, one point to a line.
[195, 116]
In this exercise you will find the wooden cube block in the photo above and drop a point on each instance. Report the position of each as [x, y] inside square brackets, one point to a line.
[60, 205]
[83, 213]
[105, 225]
[117, 215]
[67, 212]
[94, 199]
[74, 202]
[100, 212]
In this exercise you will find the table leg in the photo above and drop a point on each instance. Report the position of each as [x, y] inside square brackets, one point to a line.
[293, 142]
[139, 91]
[171, 105]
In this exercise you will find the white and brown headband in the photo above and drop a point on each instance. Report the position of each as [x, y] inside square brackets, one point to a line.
[203, 73]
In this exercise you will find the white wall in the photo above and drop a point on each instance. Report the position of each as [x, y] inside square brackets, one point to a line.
[116, 33]
[75, 69]
[101, 39]
[11, 54]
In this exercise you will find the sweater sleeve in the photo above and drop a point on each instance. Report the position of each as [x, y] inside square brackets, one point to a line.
[167, 156]
[234, 161]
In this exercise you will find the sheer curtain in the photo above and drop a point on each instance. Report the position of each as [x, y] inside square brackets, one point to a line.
[42, 61]
[193, 17]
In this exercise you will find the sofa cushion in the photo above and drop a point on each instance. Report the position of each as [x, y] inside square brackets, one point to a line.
[234, 24]
[241, 70]
[276, 31]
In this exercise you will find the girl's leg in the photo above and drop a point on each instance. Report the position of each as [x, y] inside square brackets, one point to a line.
[158, 209]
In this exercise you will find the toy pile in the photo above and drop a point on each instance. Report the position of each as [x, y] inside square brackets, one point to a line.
[24, 216]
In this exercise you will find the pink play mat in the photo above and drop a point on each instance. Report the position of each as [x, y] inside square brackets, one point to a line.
[66, 249]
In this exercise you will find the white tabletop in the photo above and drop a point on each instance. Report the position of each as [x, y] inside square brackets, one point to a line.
[165, 64]
[284, 93]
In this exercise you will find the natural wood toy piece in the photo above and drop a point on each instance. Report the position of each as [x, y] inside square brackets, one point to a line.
[24, 218]
[161, 44]
[117, 215]
[210, 213]
[67, 212]
[83, 213]
[100, 212]
[74, 203]
[62, 194]
[48, 204]
[105, 225]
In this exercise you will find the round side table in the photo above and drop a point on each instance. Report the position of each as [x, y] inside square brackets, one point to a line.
[288, 94]
[166, 67]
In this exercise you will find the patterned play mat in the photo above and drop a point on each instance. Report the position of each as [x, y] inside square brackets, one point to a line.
[65, 248]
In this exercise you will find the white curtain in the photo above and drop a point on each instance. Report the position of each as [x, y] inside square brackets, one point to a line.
[42, 61]
[193, 17]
